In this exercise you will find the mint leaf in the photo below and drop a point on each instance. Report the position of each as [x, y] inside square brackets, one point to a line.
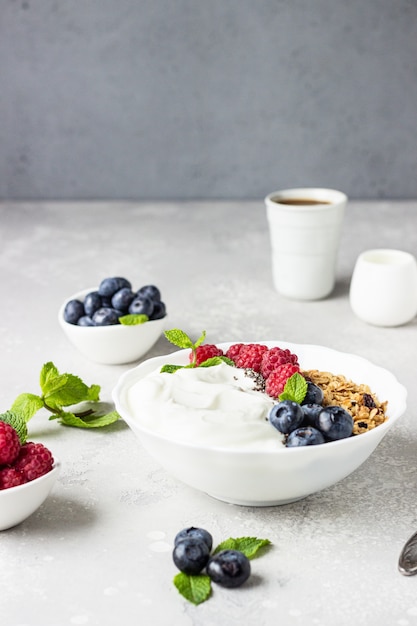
[250, 546]
[68, 389]
[89, 421]
[195, 589]
[200, 340]
[295, 389]
[216, 360]
[48, 373]
[178, 338]
[26, 405]
[133, 319]
[170, 369]
[18, 423]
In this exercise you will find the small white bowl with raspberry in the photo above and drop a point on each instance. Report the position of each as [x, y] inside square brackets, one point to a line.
[211, 425]
[28, 472]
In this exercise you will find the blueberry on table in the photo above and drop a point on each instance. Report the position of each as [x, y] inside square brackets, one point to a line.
[141, 306]
[194, 533]
[105, 317]
[109, 286]
[74, 309]
[314, 394]
[335, 423]
[92, 302]
[122, 299]
[229, 568]
[149, 291]
[304, 436]
[191, 555]
[286, 416]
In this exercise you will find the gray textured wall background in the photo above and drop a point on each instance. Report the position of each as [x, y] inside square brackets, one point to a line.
[172, 99]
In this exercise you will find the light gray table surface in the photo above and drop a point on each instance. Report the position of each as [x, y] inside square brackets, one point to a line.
[98, 551]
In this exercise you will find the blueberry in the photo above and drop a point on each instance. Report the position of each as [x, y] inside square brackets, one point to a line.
[122, 299]
[159, 310]
[142, 306]
[74, 309]
[85, 320]
[191, 555]
[92, 302]
[311, 413]
[109, 286]
[286, 416]
[314, 394]
[105, 317]
[149, 291]
[194, 533]
[304, 436]
[335, 423]
[229, 568]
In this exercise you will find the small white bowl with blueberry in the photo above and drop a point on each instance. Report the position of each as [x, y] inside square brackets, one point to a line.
[114, 323]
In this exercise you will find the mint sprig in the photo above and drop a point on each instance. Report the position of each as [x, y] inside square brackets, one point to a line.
[180, 339]
[60, 391]
[295, 389]
[198, 588]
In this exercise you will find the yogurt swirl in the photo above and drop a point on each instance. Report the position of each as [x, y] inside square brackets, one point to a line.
[215, 406]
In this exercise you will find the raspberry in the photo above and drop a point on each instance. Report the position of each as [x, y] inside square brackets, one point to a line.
[275, 382]
[9, 444]
[11, 477]
[34, 460]
[233, 351]
[250, 355]
[205, 352]
[274, 358]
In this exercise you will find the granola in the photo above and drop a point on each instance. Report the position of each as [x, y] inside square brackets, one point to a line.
[364, 406]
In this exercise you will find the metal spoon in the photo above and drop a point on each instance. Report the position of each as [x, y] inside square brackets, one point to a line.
[407, 563]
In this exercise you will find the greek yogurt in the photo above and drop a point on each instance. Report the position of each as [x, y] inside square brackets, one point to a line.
[215, 406]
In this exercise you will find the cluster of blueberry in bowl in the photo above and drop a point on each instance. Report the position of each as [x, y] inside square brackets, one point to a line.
[310, 423]
[114, 299]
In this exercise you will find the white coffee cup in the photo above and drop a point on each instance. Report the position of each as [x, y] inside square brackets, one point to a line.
[305, 227]
[383, 288]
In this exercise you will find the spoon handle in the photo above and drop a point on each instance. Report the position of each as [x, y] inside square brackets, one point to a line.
[407, 563]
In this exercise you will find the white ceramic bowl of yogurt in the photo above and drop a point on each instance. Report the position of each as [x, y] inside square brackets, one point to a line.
[243, 460]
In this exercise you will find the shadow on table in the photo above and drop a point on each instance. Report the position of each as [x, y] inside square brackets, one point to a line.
[57, 516]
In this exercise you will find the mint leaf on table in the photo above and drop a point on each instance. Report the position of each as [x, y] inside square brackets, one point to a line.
[250, 546]
[133, 319]
[59, 391]
[88, 421]
[295, 389]
[195, 589]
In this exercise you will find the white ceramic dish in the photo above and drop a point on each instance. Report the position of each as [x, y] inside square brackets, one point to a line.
[275, 477]
[18, 503]
[111, 345]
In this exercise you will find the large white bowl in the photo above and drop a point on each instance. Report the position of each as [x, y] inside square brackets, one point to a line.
[274, 477]
[18, 503]
[111, 345]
